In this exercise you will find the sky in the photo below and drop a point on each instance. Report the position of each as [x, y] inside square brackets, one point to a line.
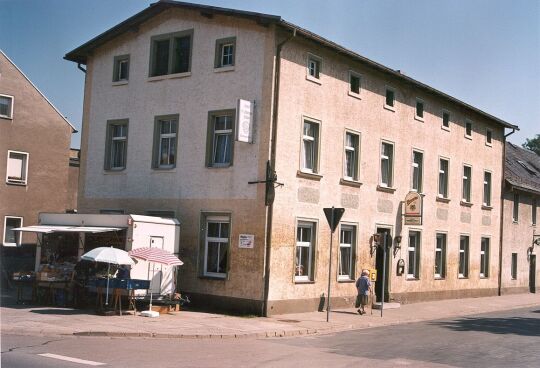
[483, 52]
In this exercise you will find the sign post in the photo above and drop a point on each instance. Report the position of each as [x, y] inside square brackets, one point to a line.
[333, 215]
[383, 272]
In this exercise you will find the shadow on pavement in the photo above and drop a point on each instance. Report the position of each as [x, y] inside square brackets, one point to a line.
[523, 326]
[62, 312]
[345, 312]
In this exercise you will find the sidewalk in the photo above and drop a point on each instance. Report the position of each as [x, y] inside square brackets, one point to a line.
[36, 320]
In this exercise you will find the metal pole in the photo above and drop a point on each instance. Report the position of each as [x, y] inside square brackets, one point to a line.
[330, 266]
[383, 274]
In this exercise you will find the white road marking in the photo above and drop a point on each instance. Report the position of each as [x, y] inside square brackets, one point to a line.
[70, 359]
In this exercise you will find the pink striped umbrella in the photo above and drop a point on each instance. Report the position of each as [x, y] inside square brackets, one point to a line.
[156, 255]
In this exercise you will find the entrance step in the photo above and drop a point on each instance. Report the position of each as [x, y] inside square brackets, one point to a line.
[387, 305]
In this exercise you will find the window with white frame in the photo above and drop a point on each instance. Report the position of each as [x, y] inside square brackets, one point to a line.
[352, 149]
[116, 148]
[444, 165]
[440, 256]
[121, 68]
[354, 83]
[314, 66]
[419, 112]
[534, 209]
[6, 106]
[468, 129]
[487, 189]
[417, 171]
[220, 146]
[515, 209]
[389, 98]
[489, 136]
[466, 187]
[305, 251]
[216, 246]
[165, 141]
[484, 257]
[413, 251]
[310, 146]
[12, 238]
[225, 52]
[17, 168]
[446, 120]
[463, 268]
[387, 164]
[347, 245]
[513, 267]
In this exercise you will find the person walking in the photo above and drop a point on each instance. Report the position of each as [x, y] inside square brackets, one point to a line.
[363, 285]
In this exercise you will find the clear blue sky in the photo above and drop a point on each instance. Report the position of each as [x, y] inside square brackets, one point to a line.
[484, 52]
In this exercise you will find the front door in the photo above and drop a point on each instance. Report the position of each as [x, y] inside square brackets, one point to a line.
[379, 261]
[532, 273]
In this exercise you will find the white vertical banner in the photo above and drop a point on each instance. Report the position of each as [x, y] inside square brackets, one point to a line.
[244, 121]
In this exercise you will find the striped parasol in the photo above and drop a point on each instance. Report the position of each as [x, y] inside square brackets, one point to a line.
[156, 255]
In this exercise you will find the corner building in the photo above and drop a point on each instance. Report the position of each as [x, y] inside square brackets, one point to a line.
[159, 137]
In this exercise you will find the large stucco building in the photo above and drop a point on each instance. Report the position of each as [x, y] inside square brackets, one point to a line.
[159, 126]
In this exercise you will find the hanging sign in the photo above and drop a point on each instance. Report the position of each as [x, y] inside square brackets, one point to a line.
[246, 241]
[413, 209]
[244, 121]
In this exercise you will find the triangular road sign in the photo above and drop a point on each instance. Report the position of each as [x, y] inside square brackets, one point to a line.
[333, 221]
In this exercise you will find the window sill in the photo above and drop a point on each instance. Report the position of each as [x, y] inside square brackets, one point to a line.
[350, 183]
[223, 69]
[469, 137]
[442, 199]
[304, 281]
[438, 278]
[386, 189]
[216, 278]
[221, 166]
[16, 183]
[412, 278]
[345, 281]
[120, 83]
[313, 79]
[486, 208]
[159, 170]
[445, 128]
[465, 204]
[484, 277]
[308, 175]
[489, 144]
[418, 118]
[168, 76]
[515, 222]
[389, 108]
[6, 117]
[354, 95]
[115, 172]
[463, 277]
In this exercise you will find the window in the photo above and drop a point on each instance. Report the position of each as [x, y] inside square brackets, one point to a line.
[515, 211]
[466, 190]
[413, 266]
[12, 238]
[419, 113]
[487, 189]
[6, 106]
[116, 146]
[389, 98]
[171, 53]
[225, 52]
[216, 246]
[310, 146]
[121, 68]
[165, 141]
[17, 168]
[534, 209]
[111, 211]
[417, 171]
[305, 251]
[352, 144]
[443, 177]
[354, 83]
[468, 129]
[463, 256]
[387, 164]
[446, 120]
[440, 256]
[314, 66]
[161, 213]
[220, 144]
[347, 245]
[489, 137]
[513, 270]
[484, 257]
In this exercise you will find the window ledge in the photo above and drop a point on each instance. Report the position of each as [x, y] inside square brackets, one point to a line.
[308, 175]
[220, 166]
[386, 189]
[515, 222]
[412, 278]
[487, 208]
[159, 170]
[216, 278]
[489, 144]
[350, 183]
[389, 108]
[445, 128]
[313, 79]
[418, 118]
[463, 277]
[168, 76]
[6, 117]
[469, 137]
[120, 83]
[15, 183]
[114, 172]
[439, 278]
[466, 204]
[346, 281]
[355, 95]
[484, 277]
[304, 281]
[442, 199]
[223, 69]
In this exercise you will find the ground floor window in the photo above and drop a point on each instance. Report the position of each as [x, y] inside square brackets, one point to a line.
[440, 256]
[513, 270]
[12, 238]
[305, 244]
[216, 246]
[347, 245]
[60, 248]
[413, 267]
[463, 256]
[484, 257]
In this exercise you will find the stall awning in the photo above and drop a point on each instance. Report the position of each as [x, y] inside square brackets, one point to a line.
[47, 229]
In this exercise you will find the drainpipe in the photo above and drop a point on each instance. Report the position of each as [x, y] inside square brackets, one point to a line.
[499, 281]
[270, 210]
[81, 68]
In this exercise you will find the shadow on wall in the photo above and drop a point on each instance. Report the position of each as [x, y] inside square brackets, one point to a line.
[522, 326]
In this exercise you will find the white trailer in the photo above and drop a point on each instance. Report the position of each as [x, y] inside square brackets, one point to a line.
[141, 231]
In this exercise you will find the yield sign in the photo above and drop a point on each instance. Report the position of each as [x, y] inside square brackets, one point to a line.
[333, 215]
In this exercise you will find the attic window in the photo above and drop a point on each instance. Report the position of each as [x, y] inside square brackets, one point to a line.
[528, 167]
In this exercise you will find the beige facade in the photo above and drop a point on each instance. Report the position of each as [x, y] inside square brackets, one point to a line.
[34, 154]
[198, 194]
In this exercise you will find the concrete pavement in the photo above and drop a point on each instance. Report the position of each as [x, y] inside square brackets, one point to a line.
[39, 320]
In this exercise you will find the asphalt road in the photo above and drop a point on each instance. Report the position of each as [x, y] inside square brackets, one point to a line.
[502, 339]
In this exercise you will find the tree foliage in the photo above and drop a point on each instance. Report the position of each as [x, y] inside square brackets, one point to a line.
[533, 144]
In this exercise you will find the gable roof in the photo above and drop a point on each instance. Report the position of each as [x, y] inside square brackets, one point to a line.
[81, 53]
[74, 130]
[522, 168]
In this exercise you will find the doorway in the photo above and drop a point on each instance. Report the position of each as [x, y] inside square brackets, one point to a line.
[386, 239]
[532, 273]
